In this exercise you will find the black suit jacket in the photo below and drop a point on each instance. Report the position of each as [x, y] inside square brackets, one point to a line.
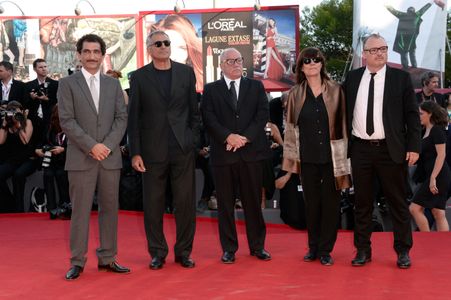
[17, 92]
[249, 118]
[152, 113]
[400, 111]
[33, 105]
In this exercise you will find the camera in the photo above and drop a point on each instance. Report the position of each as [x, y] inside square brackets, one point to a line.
[47, 159]
[11, 117]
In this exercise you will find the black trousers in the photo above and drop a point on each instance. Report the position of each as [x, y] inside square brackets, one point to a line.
[322, 206]
[249, 177]
[368, 161]
[180, 169]
[209, 186]
[60, 175]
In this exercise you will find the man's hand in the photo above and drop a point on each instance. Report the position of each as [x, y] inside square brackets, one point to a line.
[412, 158]
[235, 141]
[34, 96]
[99, 152]
[138, 164]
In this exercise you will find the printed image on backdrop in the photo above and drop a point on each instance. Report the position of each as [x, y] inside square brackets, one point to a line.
[415, 31]
[184, 32]
[197, 39]
[274, 47]
[24, 40]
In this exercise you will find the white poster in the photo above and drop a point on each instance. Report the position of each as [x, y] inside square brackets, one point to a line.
[415, 31]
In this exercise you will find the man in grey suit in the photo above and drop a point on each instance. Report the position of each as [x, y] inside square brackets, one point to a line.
[93, 115]
[163, 131]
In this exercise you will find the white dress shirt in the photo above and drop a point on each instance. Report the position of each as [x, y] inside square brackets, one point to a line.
[361, 104]
[237, 85]
[88, 76]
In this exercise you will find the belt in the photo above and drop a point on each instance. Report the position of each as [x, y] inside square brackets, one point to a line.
[376, 143]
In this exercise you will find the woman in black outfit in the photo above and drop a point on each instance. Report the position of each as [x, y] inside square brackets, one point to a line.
[315, 146]
[432, 170]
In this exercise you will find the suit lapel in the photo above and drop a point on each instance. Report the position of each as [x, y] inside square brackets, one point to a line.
[85, 90]
[103, 86]
[244, 87]
[355, 88]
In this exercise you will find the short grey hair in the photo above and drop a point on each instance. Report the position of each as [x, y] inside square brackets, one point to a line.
[152, 34]
[373, 36]
[223, 53]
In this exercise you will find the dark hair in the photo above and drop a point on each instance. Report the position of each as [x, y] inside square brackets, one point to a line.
[91, 38]
[114, 73]
[439, 116]
[36, 61]
[426, 78]
[14, 105]
[310, 52]
[54, 120]
[8, 66]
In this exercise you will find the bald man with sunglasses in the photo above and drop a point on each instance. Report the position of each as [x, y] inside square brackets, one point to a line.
[164, 130]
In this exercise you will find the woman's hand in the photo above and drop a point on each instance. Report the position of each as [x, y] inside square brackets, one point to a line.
[433, 186]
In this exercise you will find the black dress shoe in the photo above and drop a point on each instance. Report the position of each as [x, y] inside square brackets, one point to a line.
[326, 260]
[185, 261]
[228, 257]
[261, 254]
[310, 256]
[157, 263]
[403, 261]
[361, 259]
[74, 272]
[113, 267]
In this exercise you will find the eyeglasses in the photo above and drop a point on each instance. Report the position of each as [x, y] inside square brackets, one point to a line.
[158, 44]
[382, 49]
[232, 61]
[307, 61]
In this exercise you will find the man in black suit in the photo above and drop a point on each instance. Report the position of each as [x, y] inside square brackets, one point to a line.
[430, 81]
[41, 97]
[235, 111]
[386, 136]
[163, 133]
[11, 89]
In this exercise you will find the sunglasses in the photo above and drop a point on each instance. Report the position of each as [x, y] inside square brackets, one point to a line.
[158, 44]
[307, 61]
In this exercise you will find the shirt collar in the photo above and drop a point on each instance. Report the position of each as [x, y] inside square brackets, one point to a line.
[380, 73]
[228, 80]
[88, 75]
[10, 82]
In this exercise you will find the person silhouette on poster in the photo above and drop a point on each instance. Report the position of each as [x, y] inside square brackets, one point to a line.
[408, 30]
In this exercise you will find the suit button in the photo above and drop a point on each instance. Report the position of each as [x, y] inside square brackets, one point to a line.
[237, 116]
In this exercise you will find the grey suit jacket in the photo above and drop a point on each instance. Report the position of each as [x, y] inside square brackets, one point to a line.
[85, 127]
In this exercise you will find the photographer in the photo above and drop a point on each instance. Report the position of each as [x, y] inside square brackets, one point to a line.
[17, 161]
[41, 98]
[53, 154]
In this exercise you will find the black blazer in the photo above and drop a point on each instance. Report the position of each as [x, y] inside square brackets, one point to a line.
[17, 92]
[152, 113]
[33, 105]
[399, 114]
[249, 119]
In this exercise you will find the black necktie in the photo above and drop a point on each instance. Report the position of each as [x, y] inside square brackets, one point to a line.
[233, 93]
[370, 108]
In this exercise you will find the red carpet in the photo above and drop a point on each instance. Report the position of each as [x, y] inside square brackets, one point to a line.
[35, 256]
